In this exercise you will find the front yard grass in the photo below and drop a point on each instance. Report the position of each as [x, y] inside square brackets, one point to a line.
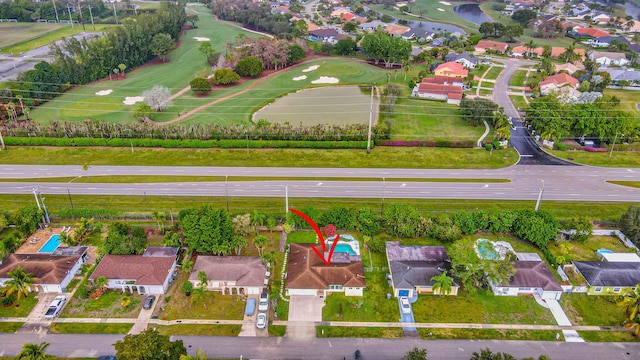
[88, 328]
[518, 78]
[608, 336]
[277, 330]
[583, 309]
[489, 334]
[519, 102]
[358, 332]
[485, 92]
[198, 329]
[373, 306]
[493, 73]
[487, 85]
[481, 307]
[586, 251]
[10, 327]
[106, 306]
[19, 308]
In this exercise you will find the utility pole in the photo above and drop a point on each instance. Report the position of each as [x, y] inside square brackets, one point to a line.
[55, 10]
[384, 184]
[81, 18]
[115, 13]
[69, 11]
[540, 197]
[226, 190]
[614, 144]
[286, 199]
[370, 120]
[91, 14]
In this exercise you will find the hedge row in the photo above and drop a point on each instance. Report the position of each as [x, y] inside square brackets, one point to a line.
[222, 144]
[427, 143]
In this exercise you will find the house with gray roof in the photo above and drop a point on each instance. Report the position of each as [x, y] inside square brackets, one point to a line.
[629, 75]
[372, 25]
[231, 275]
[608, 278]
[413, 267]
[605, 41]
[465, 59]
[532, 277]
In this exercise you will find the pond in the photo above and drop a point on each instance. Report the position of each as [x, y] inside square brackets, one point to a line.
[424, 25]
[472, 13]
[333, 105]
[633, 10]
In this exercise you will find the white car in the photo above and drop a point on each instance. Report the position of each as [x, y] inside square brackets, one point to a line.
[404, 304]
[263, 304]
[262, 321]
[55, 307]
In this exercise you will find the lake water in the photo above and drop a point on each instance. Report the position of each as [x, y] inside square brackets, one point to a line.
[472, 13]
[427, 25]
[332, 105]
[633, 10]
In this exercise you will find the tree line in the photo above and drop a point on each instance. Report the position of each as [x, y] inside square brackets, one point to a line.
[253, 15]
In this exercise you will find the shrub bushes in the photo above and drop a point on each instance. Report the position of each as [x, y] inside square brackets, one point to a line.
[249, 66]
[561, 147]
[427, 143]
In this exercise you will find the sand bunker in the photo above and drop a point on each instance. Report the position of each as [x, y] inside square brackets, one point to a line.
[199, 38]
[104, 92]
[130, 100]
[311, 68]
[440, 9]
[444, 3]
[301, 77]
[326, 80]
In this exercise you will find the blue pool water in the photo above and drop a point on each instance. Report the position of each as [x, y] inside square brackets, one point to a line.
[344, 248]
[51, 244]
[486, 250]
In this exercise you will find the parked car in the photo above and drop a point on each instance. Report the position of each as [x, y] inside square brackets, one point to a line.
[251, 307]
[148, 302]
[55, 307]
[404, 304]
[262, 321]
[263, 304]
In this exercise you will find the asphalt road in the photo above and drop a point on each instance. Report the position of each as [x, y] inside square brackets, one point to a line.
[335, 348]
[530, 153]
[560, 182]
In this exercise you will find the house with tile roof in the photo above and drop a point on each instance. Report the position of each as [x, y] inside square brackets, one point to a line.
[307, 274]
[440, 88]
[608, 278]
[231, 275]
[532, 277]
[581, 32]
[413, 267]
[464, 59]
[560, 82]
[483, 45]
[53, 272]
[452, 69]
[149, 273]
[396, 30]
[558, 51]
[569, 67]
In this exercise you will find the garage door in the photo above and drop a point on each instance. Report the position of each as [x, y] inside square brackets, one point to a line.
[311, 292]
[403, 292]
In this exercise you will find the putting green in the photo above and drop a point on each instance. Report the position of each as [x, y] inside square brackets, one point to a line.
[98, 105]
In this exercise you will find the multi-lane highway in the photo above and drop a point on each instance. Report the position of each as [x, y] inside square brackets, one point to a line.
[582, 183]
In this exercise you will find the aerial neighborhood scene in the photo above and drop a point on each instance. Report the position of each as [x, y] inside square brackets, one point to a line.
[320, 179]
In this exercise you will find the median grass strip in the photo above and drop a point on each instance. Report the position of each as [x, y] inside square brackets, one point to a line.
[633, 184]
[89, 328]
[519, 102]
[380, 157]
[199, 329]
[489, 334]
[129, 179]
[10, 327]
[618, 159]
[358, 332]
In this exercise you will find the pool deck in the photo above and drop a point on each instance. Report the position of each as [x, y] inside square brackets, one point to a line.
[41, 237]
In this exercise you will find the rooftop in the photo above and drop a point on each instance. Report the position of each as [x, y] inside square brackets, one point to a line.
[146, 270]
[47, 269]
[609, 273]
[244, 270]
[307, 271]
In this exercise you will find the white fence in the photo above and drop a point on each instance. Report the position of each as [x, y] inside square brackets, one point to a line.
[611, 232]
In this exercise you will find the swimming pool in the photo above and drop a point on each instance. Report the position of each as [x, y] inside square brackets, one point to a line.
[347, 243]
[487, 251]
[340, 247]
[51, 245]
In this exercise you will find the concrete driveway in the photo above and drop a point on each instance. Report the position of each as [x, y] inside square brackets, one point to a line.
[304, 311]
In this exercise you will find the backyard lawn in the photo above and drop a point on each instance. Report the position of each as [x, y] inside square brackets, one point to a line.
[586, 251]
[583, 309]
[431, 120]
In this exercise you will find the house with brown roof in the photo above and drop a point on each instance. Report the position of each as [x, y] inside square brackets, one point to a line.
[440, 88]
[396, 30]
[559, 82]
[569, 67]
[532, 277]
[307, 274]
[53, 272]
[231, 275]
[451, 69]
[484, 45]
[558, 51]
[413, 267]
[149, 273]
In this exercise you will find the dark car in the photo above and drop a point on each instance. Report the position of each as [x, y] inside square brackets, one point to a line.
[148, 302]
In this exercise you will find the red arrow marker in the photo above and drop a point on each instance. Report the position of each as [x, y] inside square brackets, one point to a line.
[320, 237]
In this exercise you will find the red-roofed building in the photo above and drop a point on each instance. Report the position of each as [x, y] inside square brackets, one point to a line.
[484, 45]
[439, 87]
[347, 16]
[559, 82]
[591, 32]
[452, 69]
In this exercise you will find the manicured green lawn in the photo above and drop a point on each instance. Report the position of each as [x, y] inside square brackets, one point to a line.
[10, 327]
[583, 309]
[519, 102]
[480, 308]
[358, 332]
[518, 78]
[82, 328]
[107, 305]
[431, 13]
[586, 251]
[431, 120]
[199, 329]
[20, 308]
[277, 330]
[22, 37]
[301, 237]
[628, 100]
[184, 63]
[608, 336]
[619, 158]
[380, 157]
[485, 92]
[493, 73]
[373, 306]
[489, 334]
[487, 85]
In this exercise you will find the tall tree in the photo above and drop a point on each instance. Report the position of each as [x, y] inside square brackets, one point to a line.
[149, 345]
[20, 283]
[486, 29]
[206, 49]
[443, 284]
[384, 47]
[207, 229]
[260, 242]
[630, 301]
[630, 224]
[161, 44]
[34, 352]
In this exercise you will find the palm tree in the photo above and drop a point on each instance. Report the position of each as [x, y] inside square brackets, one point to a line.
[630, 300]
[442, 285]
[33, 351]
[633, 324]
[204, 281]
[20, 282]
[200, 355]
[530, 46]
[101, 282]
[260, 242]
[187, 266]
[257, 220]
[269, 258]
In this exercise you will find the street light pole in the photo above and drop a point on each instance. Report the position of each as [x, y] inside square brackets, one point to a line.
[383, 189]
[69, 192]
[226, 191]
[614, 144]
[247, 135]
[370, 121]
[286, 199]
[540, 197]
